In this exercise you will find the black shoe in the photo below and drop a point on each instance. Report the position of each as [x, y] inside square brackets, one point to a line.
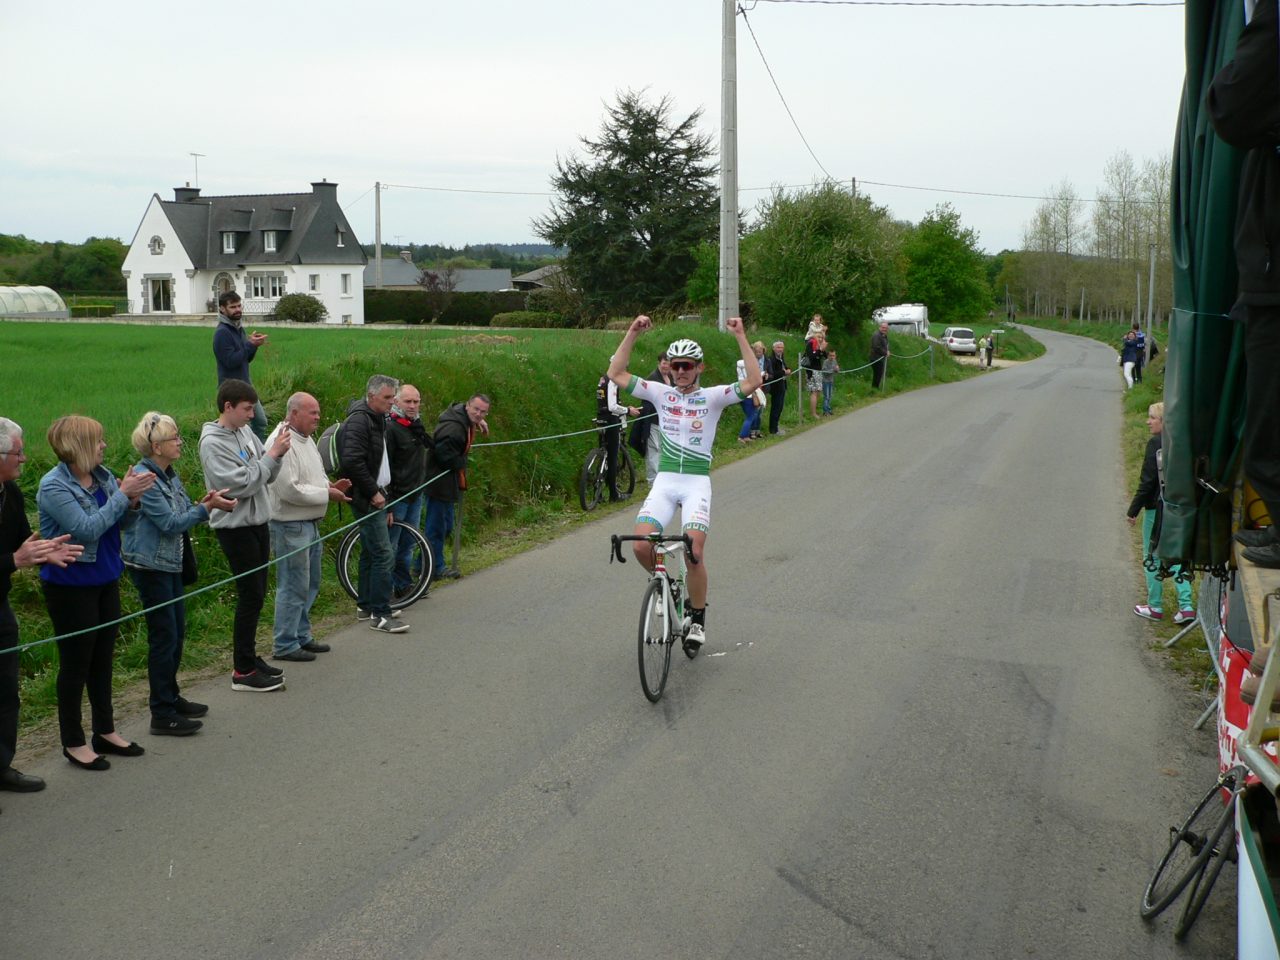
[1256, 538]
[103, 745]
[174, 726]
[297, 655]
[189, 708]
[312, 647]
[11, 779]
[97, 763]
[1268, 556]
[264, 667]
[255, 682]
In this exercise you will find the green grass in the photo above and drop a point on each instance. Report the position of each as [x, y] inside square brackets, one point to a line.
[541, 382]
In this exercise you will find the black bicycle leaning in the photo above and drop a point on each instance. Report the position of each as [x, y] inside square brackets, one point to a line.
[420, 567]
[593, 482]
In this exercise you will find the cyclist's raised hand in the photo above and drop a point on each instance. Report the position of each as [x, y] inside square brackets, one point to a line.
[640, 324]
[734, 325]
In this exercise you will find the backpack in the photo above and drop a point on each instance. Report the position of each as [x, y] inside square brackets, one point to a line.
[329, 444]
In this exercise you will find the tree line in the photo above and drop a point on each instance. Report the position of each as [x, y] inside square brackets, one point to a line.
[89, 267]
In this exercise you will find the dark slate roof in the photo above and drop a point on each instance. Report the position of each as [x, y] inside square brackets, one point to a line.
[306, 226]
[541, 275]
[395, 273]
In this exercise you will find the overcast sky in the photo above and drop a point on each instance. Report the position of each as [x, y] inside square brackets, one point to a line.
[484, 95]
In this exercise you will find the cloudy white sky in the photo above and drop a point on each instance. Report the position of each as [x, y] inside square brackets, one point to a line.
[483, 95]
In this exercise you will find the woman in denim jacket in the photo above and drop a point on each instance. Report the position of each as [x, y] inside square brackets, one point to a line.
[153, 556]
[80, 497]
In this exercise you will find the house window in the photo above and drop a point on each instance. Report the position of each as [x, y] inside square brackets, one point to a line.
[313, 282]
[161, 295]
[346, 284]
[340, 236]
[269, 241]
[156, 246]
[228, 242]
[346, 318]
[266, 287]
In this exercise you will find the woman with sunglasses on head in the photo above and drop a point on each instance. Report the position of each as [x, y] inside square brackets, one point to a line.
[80, 497]
[687, 417]
[153, 553]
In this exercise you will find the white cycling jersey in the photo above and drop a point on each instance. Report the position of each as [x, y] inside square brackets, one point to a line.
[686, 422]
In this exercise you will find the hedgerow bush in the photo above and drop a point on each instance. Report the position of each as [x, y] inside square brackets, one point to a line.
[300, 308]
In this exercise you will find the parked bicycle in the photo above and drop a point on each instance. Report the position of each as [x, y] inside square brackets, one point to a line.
[593, 482]
[662, 612]
[1198, 850]
[420, 565]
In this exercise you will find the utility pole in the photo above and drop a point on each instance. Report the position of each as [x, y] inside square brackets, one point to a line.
[1137, 300]
[1151, 294]
[196, 158]
[728, 164]
[377, 235]
[1082, 305]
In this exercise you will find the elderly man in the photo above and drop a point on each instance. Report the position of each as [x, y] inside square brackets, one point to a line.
[19, 548]
[366, 463]
[407, 446]
[776, 372]
[234, 349]
[299, 496]
[879, 355]
[454, 434]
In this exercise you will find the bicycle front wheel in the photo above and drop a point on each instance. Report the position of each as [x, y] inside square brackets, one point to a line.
[1190, 845]
[1222, 848]
[591, 481]
[654, 641]
[348, 577]
[626, 472]
[413, 565]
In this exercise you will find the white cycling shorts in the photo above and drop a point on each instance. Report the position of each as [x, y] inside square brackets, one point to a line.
[689, 492]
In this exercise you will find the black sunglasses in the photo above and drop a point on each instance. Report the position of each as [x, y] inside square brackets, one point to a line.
[682, 365]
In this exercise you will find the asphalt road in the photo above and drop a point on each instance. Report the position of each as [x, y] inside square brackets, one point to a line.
[926, 725]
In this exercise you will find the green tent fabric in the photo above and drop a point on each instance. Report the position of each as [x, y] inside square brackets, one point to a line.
[1204, 369]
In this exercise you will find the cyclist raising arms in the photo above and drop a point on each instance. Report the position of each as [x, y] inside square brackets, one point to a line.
[687, 418]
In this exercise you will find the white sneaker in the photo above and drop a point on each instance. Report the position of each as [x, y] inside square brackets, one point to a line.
[387, 625]
[363, 614]
[696, 637]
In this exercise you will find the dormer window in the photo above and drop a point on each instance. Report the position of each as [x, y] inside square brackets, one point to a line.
[269, 241]
[229, 242]
[340, 236]
[156, 246]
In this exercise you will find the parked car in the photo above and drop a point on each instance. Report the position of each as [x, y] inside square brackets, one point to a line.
[960, 340]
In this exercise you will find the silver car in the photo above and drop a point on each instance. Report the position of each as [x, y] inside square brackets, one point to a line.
[959, 340]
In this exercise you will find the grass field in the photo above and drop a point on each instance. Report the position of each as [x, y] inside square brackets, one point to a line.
[542, 383]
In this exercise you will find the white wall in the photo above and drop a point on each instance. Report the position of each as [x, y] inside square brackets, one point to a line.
[140, 263]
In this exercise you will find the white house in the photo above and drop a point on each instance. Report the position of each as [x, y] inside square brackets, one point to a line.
[190, 249]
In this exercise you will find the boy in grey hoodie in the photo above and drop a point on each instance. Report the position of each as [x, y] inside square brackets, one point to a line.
[233, 457]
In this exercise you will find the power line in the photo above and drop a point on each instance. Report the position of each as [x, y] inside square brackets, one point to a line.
[981, 3]
[970, 193]
[780, 96]
[504, 193]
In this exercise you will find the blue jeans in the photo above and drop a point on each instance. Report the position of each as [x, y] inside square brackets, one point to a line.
[828, 387]
[166, 631]
[408, 511]
[259, 424]
[373, 591]
[750, 418]
[297, 581]
[439, 524]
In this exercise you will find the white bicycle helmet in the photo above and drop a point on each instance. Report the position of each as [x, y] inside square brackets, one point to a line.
[684, 350]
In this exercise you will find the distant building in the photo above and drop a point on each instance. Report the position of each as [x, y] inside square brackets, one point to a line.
[400, 273]
[22, 302]
[190, 249]
[537, 279]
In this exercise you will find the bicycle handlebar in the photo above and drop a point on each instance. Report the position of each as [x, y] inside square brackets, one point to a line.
[618, 540]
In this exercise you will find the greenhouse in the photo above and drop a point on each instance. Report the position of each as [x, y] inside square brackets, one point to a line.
[17, 303]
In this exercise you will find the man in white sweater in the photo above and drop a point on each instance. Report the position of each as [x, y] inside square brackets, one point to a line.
[299, 496]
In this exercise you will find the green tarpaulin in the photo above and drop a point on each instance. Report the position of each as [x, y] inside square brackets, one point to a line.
[1204, 371]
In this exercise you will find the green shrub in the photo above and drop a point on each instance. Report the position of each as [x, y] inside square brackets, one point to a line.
[300, 308]
[478, 309]
[463, 309]
[529, 318]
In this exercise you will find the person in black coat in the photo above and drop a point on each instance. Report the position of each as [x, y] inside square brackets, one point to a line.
[451, 444]
[776, 372]
[878, 354]
[1244, 108]
[1147, 500]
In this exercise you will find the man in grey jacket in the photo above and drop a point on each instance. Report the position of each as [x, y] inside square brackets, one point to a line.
[299, 497]
[233, 459]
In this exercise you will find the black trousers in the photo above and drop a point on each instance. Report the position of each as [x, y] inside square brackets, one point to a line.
[84, 661]
[8, 686]
[777, 398]
[246, 548]
[1262, 403]
[877, 371]
[611, 444]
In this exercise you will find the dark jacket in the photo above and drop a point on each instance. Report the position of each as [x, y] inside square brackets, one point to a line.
[361, 445]
[812, 357]
[1148, 495]
[232, 350]
[775, 374]
[1129, 351]
[407, 446]
[641, 425]
[1244, 108]
[14, 530]
[451, 442]
[879, 345]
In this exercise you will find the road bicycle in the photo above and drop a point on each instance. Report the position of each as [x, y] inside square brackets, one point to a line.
[1199, 848]
[662, 613]
[593, 481]
[420, 565]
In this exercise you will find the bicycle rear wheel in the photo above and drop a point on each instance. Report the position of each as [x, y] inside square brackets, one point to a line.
[1223, 848]
[591, 480]
[626, 472]
[1190, 845]
[347, 573]
[654, 642]
[419, 565]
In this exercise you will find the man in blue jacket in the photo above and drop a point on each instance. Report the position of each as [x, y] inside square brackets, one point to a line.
[234, 349]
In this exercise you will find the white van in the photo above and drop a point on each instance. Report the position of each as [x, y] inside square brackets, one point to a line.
[912, 318]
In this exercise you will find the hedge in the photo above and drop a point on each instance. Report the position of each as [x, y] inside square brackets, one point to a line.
[531, 318]
[412, 306]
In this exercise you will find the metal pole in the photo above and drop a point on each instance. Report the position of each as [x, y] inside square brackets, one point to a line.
[1151, 294]
[1082, 305]
[377, 235]
[455, 570]
[1137, 300]
[728, 165]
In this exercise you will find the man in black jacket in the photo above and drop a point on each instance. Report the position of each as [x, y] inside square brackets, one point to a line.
[776, 372]
[1244, 107]
[451, 444]
[363, 454]
[879, 355]
[407, 446]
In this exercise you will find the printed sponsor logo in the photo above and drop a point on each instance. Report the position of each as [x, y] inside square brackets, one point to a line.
[696, 425]
[695, 441]
[673, 398]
